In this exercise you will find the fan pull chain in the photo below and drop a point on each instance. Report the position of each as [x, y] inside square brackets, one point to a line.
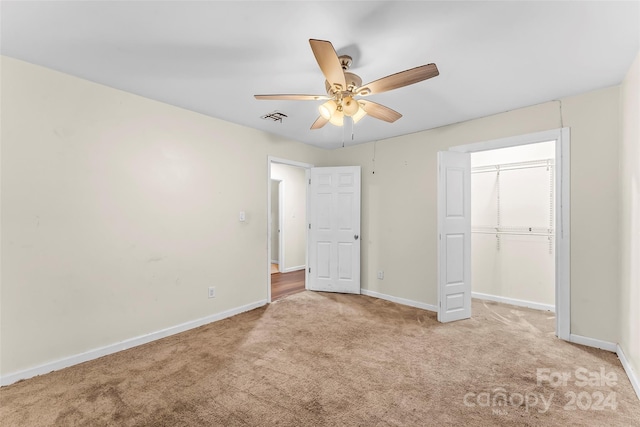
[352, 126]
[373, 167]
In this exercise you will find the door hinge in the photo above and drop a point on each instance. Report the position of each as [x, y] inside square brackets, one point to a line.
[309, 181]
[309, 269]
[309, 226]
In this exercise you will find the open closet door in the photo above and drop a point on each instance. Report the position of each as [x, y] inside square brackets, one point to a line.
[454, 236]
[334, 230]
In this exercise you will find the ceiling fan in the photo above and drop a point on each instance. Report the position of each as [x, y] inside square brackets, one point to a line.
[343, 87]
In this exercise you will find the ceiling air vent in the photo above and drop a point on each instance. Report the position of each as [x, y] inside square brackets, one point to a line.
[275, 116]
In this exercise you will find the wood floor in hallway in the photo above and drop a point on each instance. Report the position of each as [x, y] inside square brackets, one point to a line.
[285, 284]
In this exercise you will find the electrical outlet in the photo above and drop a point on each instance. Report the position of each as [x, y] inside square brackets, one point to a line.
[212, 292]
[380, 274]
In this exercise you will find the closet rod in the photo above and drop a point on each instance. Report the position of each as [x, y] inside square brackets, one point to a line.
[548, 163]
[511, 169]
[513, 233]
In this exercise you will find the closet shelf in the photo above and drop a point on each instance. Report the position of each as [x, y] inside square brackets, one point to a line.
[545, 163]
[512, 233]
[516, 231]
[498, 229]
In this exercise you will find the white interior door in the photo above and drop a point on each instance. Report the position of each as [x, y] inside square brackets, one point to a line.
[454, 236]
[334, 230]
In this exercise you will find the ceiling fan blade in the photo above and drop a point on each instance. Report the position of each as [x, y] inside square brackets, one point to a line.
[379, 111]
[401, 79]
[320, 122]
[292, 97]
[328, 61]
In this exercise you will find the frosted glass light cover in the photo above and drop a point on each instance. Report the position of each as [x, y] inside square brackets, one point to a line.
[328, 108]
[350, 106]
[337, 119]
[360, 114]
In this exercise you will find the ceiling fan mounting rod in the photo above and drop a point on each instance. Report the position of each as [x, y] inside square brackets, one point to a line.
[345, 61]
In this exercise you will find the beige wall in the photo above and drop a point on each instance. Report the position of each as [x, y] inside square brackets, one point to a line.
[399, 203]
[630, 217]
[118, 212]
[294, 207]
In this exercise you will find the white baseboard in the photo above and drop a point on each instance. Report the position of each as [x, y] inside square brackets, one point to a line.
[593, 342]
[633, 376]
[275, 262]
[513, 301]
[398, 300]
[123, 345]
[297, 268]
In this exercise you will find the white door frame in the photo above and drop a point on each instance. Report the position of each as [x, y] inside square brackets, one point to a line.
[562, 139]
[281, 248]
[280, 218]
[307, 166]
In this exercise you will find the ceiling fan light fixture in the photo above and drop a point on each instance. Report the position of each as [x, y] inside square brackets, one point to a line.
[359, 114]
[337, 119]
[328, 109]
[350, 106]
[342, 86]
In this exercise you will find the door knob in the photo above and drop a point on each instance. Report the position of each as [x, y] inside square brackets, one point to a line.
[355, 237]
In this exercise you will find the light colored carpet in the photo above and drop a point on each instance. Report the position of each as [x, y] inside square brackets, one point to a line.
[317, 359]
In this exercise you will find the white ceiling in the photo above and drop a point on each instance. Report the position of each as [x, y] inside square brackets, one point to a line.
[213, 56]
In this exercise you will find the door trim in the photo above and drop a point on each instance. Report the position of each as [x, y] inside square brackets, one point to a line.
[562, 138]
[307, 166]
[280, 207]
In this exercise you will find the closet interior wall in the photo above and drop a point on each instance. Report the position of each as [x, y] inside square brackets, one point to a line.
[512, 221]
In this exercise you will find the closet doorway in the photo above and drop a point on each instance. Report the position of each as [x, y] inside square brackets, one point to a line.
[455, 230]
[513, 225]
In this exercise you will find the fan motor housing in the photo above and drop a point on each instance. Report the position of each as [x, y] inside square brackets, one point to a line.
[353, 81]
